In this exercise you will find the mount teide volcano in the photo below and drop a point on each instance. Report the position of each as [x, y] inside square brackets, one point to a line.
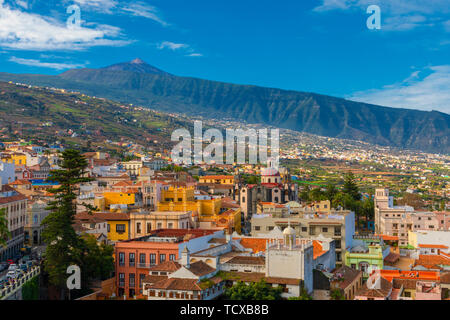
[140, 83]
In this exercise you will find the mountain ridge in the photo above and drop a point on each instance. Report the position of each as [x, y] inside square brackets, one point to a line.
[301, 111]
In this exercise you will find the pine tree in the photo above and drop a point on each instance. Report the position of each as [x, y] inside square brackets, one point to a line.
[331, 192]
[64, 246]
[350, 187]
[4, 231]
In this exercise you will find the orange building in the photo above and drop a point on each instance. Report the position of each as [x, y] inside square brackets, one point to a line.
[135, 257]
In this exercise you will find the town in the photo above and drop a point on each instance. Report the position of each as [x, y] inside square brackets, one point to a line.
[154, 230]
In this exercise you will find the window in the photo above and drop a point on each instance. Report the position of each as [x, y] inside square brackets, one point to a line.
[120, 228]
[131, 279]
[257, 228]
[138, 227]
[338, 245]
[337, 231]
[142, 258]
[152, 258]
[162, 258]
[324, 229]
[141, 279]
[121, 279]
[159, 225]
[109, 227]
[149, 227]
[121, 259]
[170, 226]
[131, 259]
[172, 257]
[304, 229]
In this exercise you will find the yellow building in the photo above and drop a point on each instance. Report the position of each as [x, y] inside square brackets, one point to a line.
[217, 179]
[118, 225]
[19, 159]
[143, 223]
[182, 199]
[119, 198]
[210, 212]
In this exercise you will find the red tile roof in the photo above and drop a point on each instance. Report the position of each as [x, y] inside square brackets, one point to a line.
[19, 182]
[420, 275]
[168, 266]
[392, 257]
[432, 261]
[257, 245]
[383, 292]
[200, 268]
[176, 284]
[433, 246]
[247, 260]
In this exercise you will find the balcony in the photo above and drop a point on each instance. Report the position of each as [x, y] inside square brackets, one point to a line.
[145, 265]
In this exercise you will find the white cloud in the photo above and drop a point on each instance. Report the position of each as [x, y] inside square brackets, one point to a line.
[26, 31]
[172, 45]
[430, 92]
[51, 65]
[145, 11]
[137, 9]
[397, 15]
[23, 4]
[195, 55]
[190, 52]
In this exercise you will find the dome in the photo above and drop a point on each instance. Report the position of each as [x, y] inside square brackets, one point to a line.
[289, 231]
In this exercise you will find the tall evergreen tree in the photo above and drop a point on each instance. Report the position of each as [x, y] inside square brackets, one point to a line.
[331, 192]
[4, 231]
[64, 246]
[350, 187]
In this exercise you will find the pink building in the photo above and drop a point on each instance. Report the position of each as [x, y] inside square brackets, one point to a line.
[398, 220]
[443, 219]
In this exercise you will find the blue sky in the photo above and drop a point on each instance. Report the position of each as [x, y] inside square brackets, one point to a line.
[321, 46]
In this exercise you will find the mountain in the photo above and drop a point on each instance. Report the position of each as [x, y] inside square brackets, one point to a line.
[137, 65]
[39, 113]
[138, 83]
